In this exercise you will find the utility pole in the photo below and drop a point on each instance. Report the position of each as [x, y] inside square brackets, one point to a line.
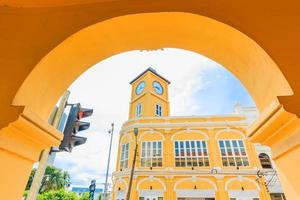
[39, 174]
[111, 131]
[135, 131]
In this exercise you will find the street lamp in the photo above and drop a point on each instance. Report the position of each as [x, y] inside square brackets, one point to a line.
[111, 131]
[136, 132]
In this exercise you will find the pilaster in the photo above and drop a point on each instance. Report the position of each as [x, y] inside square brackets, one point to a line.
[221, 193]
[21, 143]
[280, 130]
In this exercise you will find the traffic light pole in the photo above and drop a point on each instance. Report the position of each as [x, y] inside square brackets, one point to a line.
[39, 174]
[108, 162]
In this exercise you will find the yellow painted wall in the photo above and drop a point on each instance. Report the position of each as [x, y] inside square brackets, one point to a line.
[32, 29]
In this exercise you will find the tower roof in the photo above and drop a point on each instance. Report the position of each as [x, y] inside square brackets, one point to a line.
[151, 70]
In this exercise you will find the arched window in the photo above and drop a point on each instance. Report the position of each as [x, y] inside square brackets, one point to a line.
[265, 161]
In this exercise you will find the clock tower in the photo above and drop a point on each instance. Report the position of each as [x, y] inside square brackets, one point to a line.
[149, 95]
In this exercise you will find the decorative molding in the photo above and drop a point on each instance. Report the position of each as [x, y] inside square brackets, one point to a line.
[127, 135]
[195, 125]
[195, 172]
[151, 131]
[151, 178]
[120, 180]
[194, 179]
[240, 179]
[190, 131]
[31, 133]
[229, 130]
[249, 194]
[151, 193]
[196, 193]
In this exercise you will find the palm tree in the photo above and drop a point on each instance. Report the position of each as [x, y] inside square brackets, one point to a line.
[54, 179]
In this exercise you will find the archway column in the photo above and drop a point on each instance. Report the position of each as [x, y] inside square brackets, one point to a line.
[221, 193]
[280, 130]
[21, 143]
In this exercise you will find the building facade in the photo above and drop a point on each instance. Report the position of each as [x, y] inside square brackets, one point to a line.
[184, 158]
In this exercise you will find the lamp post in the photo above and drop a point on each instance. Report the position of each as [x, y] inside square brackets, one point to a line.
[135, 131]
[111, 131]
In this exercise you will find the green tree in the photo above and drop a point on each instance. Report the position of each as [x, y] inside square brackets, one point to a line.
[57, 195]
[54, 179]
[85, 196]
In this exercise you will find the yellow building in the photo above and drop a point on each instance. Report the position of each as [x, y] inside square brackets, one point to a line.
[184, 158]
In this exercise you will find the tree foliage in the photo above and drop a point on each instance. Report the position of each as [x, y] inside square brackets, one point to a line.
[61, 194]
[54, 179]
[85, 196]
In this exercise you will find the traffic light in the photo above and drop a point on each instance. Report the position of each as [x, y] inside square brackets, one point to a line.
[73, 126]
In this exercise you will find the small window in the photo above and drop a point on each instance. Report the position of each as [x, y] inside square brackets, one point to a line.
[138, 110]
[158, 110]
[265, 161]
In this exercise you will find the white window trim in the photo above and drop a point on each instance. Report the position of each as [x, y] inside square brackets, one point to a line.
[123, 160]
[196, 193]
[161, 110]
[151, 156]
[244, 194]
[196, 148]
[138, 110]
[244, 143]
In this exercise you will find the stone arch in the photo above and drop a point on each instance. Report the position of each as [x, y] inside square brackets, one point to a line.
[127, 135]
[190, 131]
[120, 180]
[151, 132]
[195, 179]
[241, 178]
[151, 178]
[236, 51]
[228, 131]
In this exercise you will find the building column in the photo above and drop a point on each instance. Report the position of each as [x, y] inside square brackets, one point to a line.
[170, 187]
[21, 143]
[213, 149]
[221, 193]
[134, 190]
[280, 130]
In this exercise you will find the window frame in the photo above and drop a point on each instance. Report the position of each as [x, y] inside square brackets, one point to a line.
[233, 152]
[122, 158]
[151, 153]
[192, 159]
[138, 110]
[158, 110]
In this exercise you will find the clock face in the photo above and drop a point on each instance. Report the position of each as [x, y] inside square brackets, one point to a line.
[139, 89]
[157, 87]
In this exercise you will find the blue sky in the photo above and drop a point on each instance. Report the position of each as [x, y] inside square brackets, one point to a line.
[199, 86]
[221, 92]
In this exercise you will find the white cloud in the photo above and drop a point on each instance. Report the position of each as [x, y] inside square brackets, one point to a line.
[105, 88]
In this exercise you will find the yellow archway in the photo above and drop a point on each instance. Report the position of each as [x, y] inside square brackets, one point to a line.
[220, 42]
[58, 69]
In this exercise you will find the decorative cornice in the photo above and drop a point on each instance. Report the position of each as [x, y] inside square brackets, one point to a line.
[31, 133]
[194, 125]
[278, 129]
[203, 172]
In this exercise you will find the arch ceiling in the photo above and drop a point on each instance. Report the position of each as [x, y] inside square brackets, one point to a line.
[45, 24]
[234, 50]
